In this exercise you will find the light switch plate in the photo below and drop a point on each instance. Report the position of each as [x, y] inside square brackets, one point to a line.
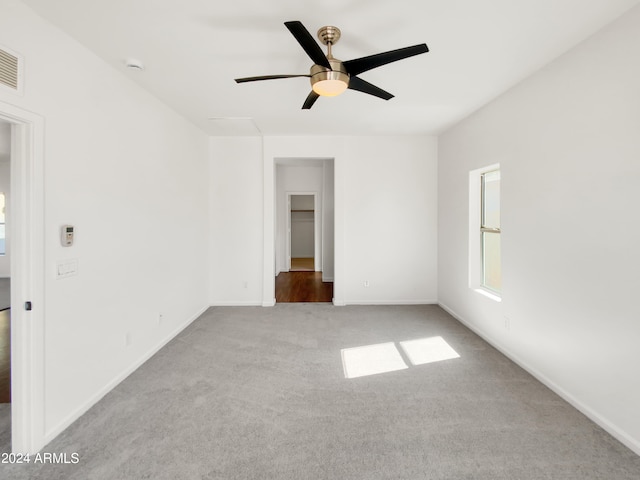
[66, 268]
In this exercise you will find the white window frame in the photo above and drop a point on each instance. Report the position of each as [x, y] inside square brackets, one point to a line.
[475, 232]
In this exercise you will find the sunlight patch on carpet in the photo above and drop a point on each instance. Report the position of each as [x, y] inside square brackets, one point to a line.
[371, 360]
[428, 350]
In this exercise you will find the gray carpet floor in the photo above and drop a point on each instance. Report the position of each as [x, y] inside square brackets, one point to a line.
[261, 393]
[5, 428]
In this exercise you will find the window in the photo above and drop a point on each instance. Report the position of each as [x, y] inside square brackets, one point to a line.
[491, 272]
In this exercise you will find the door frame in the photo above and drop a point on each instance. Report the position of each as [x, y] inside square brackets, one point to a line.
[274, 150]
[317, 231]
[27, 278]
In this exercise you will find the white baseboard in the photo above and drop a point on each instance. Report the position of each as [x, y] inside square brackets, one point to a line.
[269, 303]
[238, 303]
[615, 431]
[78, 412]
[391, 302]
[327, 279]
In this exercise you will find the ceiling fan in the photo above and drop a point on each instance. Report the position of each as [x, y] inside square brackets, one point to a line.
[330, 76]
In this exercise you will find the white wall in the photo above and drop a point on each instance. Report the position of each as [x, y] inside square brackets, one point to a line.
[568, 145]
[302, 202]
[328, 235]
[390, 219]
[385, 216]
[235, 221]
[302, 235]
[131, 175]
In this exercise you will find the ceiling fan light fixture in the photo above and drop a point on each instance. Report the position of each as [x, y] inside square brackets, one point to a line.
[328, 83]
[330, 88]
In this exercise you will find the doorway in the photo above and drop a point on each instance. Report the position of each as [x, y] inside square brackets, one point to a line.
[301, 252]
[304, 230]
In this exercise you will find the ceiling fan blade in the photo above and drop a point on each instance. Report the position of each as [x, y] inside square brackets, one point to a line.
[359, 65]
[308, 43]
[356, 83]
[311, 99]
[266, 77]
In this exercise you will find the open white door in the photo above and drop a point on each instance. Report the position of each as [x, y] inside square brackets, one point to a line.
[27, 278]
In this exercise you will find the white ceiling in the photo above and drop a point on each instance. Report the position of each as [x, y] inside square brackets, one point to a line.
[193, 49]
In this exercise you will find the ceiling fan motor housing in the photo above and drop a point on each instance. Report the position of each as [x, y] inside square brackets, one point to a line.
[337, 74]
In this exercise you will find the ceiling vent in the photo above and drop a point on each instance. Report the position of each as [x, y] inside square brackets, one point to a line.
[9, 65]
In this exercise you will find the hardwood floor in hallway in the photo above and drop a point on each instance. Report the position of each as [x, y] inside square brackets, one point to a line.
[294, 287]
[302, 265]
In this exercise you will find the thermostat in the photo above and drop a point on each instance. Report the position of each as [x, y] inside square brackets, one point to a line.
[66, 235]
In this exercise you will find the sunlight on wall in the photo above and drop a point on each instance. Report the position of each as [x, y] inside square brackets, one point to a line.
[385, 357]
[371, 359]
[428, 350]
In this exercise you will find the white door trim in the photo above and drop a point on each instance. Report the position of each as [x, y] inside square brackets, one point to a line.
[275, 149]
[27, 283]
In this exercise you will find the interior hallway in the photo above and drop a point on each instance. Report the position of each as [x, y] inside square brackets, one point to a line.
[302, 286]
[253, 392]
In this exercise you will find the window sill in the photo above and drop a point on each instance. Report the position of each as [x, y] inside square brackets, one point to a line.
[488, 294]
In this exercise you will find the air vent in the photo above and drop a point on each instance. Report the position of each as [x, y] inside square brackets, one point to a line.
[8, 70]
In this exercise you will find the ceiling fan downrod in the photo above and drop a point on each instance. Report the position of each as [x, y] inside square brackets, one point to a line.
[329, 35]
